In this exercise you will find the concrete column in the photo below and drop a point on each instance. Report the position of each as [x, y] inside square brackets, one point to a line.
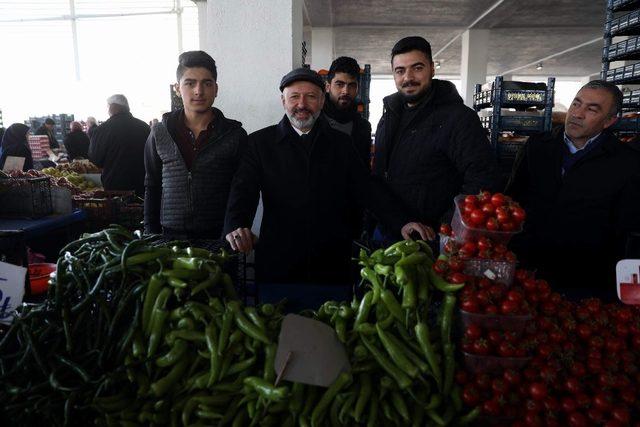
[202, 23]
[473, 66]
[254, 45]
[322, 48]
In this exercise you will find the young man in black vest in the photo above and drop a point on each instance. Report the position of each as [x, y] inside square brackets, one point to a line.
[191, 157]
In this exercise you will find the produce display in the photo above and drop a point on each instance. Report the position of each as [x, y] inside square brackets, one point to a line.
[66, 177]
[135, 334]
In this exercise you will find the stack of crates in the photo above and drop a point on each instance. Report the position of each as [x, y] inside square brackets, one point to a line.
[61, 129]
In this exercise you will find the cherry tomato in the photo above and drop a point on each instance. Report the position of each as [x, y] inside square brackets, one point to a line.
[484, 197]
[498, 200]
[538, 391]
[477, 217]
[470, 395]
[481, 347]
[518, 214]
[508, 307]
[473, 331]
[470, 199]
[492, 224]
[470, 305]
[445, 229]
[568, 404]
[456, 264]
[576, 419]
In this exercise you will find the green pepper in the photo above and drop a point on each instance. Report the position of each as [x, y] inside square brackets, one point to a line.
[365, 329]
[320, 410]
[177, 351]
[363, 396]
[447, 317]
[400, 406]
[423, 283]
[412, 259]
[364, 309]
[296, 403]
[382, 270]
[266, 390]
[162, 386]
[156, 283]
[400, 359]
[246, 325]
[396, 373]
[214, 356]
[392, 305]
[449, 367]
[183, 263]
[372, 417]
[158, 318]
[469, 417]
[269, 362]
[441, 284]
[372, 277]
[413, 358]
[346, 408]
[341, 329]
[422, 336]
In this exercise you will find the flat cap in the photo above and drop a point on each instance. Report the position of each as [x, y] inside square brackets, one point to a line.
[301, 74]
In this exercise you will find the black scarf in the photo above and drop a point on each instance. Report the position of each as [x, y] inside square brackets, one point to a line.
[340, 116]
[15, 135]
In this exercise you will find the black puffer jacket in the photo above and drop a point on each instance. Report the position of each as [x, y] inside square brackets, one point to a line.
[441, 153]
[117, 146]
[190, 203]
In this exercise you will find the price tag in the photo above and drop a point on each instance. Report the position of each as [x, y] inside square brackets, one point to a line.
[13, 163]
[628, 281]
[309, 352]
[11, 290]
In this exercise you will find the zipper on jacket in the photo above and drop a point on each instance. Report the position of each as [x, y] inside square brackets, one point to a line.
[189, 197]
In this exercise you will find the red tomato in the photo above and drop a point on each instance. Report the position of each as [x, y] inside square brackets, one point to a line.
[473, 332]
[456, 278]
[445, 229]
[477, 217]
[488, 209]
[515, 296]
[518, 215]
[470, 199]
[491, 309]
[512, 376]
[568, 404]
[484, 197]
[467, 209]
[483, 381]
[470, 305]
[506, 349]
[495, 337]
[538, 391]
[573, 385]
[508, 307]
[441, 266]
[498, 200]
[484, 243]
[456, 264]
[602, 401]
[492, 224]
[470, 395]
[481, 347]
[576, 419]
[595, 415]
[507, 226]
[491, 407]
[470, 246]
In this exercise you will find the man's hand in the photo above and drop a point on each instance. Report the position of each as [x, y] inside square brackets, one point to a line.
[425, 232]
[241, 239]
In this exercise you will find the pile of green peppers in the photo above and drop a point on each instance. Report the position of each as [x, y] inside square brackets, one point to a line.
[402, 365]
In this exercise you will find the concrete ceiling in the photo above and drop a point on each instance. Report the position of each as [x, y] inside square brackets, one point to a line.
[521, 31]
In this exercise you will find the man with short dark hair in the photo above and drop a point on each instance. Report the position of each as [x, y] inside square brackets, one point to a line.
[47, 128]
[340, 106]
[580, 187]
[191, 157]
[117, 146]
[429, 146]
[310, 179]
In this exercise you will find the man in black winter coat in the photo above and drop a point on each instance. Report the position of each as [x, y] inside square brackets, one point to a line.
[311, 178]
[117, 146]
[580, 187]
[47, 129]
[191, 157]
[429, 146]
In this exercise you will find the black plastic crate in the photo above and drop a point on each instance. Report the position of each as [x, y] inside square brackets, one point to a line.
[627, 125]
[625, 25]
[625, 74]
[627, 49]
[631, 99]
[623, 5]
[524, 125]
[25, 197]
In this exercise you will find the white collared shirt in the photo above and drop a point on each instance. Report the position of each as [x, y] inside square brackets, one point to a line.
[572, 148]
[299, 132]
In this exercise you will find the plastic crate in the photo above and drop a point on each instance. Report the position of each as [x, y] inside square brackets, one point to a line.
[626, 74]
[496, 322]
[623, 5]
[25, 197]
[627, 49]
[104, 209]
[631, 99]
[625, 25]
[463, 232]
[499, 271]
[492, 364]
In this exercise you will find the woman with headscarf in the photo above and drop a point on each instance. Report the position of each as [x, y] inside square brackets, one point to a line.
[77, 142]
[14, 143]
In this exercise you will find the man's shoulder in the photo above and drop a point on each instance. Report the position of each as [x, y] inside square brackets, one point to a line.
[268, 133]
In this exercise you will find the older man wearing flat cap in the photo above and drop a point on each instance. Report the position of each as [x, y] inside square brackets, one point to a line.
[311, 178]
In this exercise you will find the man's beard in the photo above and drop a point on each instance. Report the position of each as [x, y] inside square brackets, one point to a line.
[347, 107]
[303, 124]
[413, 98]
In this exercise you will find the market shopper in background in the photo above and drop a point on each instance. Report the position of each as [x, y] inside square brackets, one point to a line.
[47, 129]
[92, 125]
[311, 178]
[117, 146]
[191, 156]
[429, 146]
[14, 143]
[76, 142]
[580, 187]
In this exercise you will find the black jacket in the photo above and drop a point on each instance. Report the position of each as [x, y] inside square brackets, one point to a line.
[117, 146]
[77, 145]
[14, 143]
[185, 203]
[441, 153]
[53, 142]
[307, 197]
[576, 224]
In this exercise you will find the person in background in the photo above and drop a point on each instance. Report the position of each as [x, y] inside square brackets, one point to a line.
[311, 178]
[580, 188]
[191, 157]
[342, 114]
[430, 147]
[117, 146]
[47, 129]
[14, 143]
[340, 106]
[92, 125]
[76, 142]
